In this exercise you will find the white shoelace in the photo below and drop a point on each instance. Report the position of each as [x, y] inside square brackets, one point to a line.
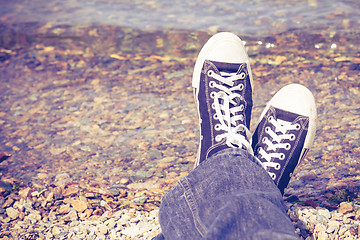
[273, 144]
[226, 115]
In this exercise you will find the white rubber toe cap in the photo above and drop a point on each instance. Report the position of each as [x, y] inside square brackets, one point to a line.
[222, 47]
[297, 99]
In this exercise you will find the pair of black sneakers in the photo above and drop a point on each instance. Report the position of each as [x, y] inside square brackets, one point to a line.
[223, 88]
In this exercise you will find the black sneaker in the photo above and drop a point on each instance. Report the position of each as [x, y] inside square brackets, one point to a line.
[222, 84]
[285, 132]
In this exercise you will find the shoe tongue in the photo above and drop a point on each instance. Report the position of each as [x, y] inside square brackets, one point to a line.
[227, 67]
[285, 115]
[230, 68]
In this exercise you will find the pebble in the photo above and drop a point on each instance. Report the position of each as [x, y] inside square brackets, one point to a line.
[333, 226]
[24, 193]
[140, 200]
[84, 216]
[62, 179]
[79, 205]
[124, 181]
[345, 208]
[70, 190]
[320, 223]
[12, 213]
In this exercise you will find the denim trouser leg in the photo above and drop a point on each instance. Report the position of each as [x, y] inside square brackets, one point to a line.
[229, 196]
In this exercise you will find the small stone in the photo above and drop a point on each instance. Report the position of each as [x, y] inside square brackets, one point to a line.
[21, 215]
[79, 205]
[42, 176]
[24, 193]
[64, 209]
[110, 223]
[98, 212]
[35, 194]
[19, 206]
[140, 200]
[90, 195]
[48, 199]
[71, 216]
[357, 215]
[70, 190]
[124, 181]
[320, 228]
[132, 232]
[103, 229]
[12, 213]
[134, 220]
[55, 231]
[337, 216]
[333, 226]
[325, 213]
[342, 230]
[322, 235]
[8, 203]
[164, 165]
[114, 191]
[102, 203]
[31, 218]
[345, 207]
[62, 179]
[88, 212]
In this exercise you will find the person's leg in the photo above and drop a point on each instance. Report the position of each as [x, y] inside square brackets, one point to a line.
[228, 196]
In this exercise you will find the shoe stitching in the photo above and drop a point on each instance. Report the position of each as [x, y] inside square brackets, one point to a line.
[190, 199]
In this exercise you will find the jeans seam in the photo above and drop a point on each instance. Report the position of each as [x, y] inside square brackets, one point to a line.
[192, 206]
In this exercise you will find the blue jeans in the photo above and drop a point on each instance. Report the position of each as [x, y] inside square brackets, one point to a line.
[228, 196]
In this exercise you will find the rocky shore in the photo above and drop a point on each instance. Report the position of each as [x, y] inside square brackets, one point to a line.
[66, 210]
[100, 125]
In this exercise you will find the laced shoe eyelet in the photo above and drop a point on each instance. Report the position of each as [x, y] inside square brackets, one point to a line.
[212, 95]
[292, 137]
[267, 129]
[258, 149]
[210, 73]
[298, 127]
[217, 127]
[288, 146]
[213, 106]
[264, 139]
[241, 87]
[215, 116]
[212, 84]
[218, 139]
[242, 75]
[282, 156]
[271, 118]
[242, 107]
[273, 176]
[277, 166]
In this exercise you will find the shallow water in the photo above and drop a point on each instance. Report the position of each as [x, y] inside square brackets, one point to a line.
[254, 18]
